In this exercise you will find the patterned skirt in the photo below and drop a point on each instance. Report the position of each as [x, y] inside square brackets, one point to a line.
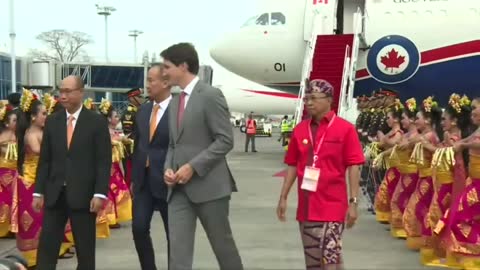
[322, 245]
[403, 191]
[383, 197]
[414, 217]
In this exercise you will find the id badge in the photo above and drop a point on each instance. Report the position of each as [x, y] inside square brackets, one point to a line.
[310, 178]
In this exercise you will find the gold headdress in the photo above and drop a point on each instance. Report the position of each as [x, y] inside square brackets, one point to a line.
[3, 111]
[26, 100]
[454, 102]
[411, 104]
[397, 105]
[105, 106]
[429, 104]
[465, 101]
[88, 103]
[49, 101]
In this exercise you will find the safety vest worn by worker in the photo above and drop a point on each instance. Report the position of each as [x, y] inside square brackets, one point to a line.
[285, 126]
[291, 125]
[251, 129]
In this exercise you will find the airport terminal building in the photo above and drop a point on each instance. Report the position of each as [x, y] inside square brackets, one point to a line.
[6, 75]
[99, 78]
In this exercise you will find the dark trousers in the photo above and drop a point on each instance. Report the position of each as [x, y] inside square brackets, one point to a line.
[53, 230]
[144, 204]
[248, 138]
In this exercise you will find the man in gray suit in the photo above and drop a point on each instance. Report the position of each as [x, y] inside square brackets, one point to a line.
[196, 171]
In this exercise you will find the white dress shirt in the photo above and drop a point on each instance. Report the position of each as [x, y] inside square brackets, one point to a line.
[74, 122]
[75, 117]
[162, 109]
[189, 88]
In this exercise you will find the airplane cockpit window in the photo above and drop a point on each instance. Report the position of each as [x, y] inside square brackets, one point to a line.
[263, 19]
[250, 21]
[275, 18]
[278, 18]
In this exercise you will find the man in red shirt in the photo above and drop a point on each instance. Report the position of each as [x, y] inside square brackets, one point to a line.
[321, 151]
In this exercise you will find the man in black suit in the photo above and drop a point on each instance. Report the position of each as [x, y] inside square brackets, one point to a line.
[151, 145]
[72, 177]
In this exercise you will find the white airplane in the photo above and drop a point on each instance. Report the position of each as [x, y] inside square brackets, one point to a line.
[417, 47]
[259, 100]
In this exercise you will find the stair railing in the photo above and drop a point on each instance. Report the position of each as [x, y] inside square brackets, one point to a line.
[301, 92]
[342, 100]
[307, 68]
[357, 36]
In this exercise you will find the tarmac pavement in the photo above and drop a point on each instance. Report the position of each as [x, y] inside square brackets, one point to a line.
[263, 241]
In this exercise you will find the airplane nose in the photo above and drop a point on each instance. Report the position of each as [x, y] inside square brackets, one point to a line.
[221, 51]
[234, 52]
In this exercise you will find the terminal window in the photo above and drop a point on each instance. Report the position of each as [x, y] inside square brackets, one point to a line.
[117, 76]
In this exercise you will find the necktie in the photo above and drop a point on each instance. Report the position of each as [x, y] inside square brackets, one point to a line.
[70, 129]
[153, 120]
[153, 127]
[181, 108]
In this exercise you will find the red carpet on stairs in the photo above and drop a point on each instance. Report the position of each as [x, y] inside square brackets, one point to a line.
[328, 61]
[328, 64]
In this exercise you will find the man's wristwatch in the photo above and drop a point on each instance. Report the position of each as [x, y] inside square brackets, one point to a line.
[353, 200]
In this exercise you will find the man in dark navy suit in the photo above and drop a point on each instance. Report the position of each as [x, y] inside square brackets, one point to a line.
[151, 136]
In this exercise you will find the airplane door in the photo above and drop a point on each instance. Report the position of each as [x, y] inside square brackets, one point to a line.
[349, 8]
[308, 21]
[326, 17]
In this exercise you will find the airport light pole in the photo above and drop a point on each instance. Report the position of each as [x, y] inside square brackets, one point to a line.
[12, 48]
[145, 71]
[135, 33]
[106, 11]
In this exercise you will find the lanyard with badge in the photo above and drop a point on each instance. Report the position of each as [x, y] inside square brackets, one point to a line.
[312, 173]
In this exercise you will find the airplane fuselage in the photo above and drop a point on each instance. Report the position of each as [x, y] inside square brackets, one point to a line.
[418, 48]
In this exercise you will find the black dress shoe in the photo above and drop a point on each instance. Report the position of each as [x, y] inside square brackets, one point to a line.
[115, 226]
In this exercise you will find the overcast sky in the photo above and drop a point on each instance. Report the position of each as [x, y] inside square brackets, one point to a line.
[164, 22]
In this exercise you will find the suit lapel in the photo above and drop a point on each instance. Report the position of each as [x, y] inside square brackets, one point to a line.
[146, 118]
[188, 108]
[173, 108]
[81, 121]
[62, 125]
[160, 124]
[157, 129]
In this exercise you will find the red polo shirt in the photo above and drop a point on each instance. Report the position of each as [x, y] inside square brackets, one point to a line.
[341, 148]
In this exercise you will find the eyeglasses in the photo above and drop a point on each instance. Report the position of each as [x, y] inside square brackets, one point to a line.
[313, 98]
[67, 91]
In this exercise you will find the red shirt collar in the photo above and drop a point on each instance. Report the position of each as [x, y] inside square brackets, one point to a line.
[327, 118]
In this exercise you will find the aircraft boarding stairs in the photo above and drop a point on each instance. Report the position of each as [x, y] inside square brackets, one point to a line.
[332, 58]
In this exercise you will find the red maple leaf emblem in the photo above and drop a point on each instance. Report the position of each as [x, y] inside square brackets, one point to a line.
[392, 60]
